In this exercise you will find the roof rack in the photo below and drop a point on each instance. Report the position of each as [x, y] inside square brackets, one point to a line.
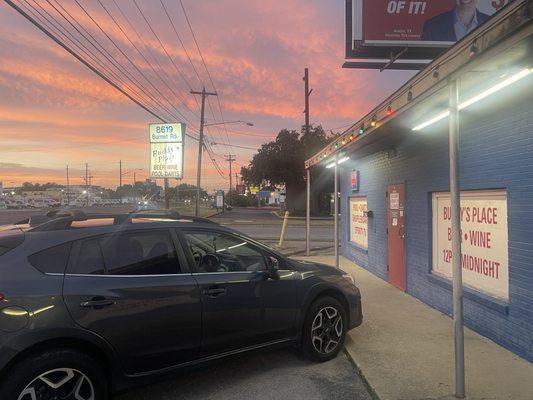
[62, 219]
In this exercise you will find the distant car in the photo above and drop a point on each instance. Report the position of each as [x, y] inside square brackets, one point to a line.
[90, 303]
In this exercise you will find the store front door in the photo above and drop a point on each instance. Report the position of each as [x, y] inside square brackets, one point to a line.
[396, 236]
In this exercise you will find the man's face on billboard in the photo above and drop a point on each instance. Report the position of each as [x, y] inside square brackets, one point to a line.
[462, 3]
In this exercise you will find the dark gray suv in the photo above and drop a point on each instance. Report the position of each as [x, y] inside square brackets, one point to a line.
[90, 303]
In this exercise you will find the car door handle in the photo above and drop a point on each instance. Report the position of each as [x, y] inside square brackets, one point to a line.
[97, 303]
[214, 292]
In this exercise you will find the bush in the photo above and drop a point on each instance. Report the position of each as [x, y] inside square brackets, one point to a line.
[238, 200]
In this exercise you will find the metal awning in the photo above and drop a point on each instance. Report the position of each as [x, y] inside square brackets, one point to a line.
[503, 45]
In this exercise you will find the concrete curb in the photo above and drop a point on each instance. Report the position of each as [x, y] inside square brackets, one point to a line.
[361, 374]
[276, 213]
[214, 214]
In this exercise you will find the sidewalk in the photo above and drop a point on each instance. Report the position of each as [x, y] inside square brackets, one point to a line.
[404, 349]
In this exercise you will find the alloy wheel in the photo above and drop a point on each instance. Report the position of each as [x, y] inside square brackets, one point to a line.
[59, 384]
[326, 330]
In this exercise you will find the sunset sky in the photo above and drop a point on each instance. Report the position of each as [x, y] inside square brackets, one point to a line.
[54, 111]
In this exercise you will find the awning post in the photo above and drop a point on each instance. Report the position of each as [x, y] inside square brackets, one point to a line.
[336, 209]
[455, 203]
[308, 215]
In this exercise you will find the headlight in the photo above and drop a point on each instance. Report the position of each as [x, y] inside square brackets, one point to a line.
[349, 278]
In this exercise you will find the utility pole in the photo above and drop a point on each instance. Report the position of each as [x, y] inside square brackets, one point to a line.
[204, 94]
[68, 189]
[87, 183]
[120, 178]
[230, 158]
[167, 194]
[308, 92]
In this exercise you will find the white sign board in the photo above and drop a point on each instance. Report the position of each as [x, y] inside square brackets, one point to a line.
[359, 221]
[166, 150]
[220, 200]
[484, 238]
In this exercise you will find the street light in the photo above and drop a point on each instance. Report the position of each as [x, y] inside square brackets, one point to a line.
[230, 122]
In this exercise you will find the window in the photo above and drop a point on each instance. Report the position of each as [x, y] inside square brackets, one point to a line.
[90, 260]
[222, 252]
[51, 260]
[358, 207]
[140, 253]
[10, 240]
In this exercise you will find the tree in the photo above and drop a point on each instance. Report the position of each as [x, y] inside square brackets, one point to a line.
[281, 162]
[238, 200]
[184, 191]
[37, 187]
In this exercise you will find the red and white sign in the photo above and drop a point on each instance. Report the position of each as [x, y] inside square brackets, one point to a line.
[417, 23]
[354, 181]
[484, 240]
[359, 221]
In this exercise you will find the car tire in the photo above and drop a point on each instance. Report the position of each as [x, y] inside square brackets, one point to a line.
[56, 371]
[324, 329]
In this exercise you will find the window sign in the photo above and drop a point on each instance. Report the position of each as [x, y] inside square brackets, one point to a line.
[354, 181]
[484, 238]
[359, 221]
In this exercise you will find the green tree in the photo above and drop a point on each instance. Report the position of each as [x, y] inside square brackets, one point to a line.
[238, 200]
[281, 162]
[184, 191]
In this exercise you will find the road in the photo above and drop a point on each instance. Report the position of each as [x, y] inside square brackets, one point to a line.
[267, 375]
[12, 216]
[263, 223]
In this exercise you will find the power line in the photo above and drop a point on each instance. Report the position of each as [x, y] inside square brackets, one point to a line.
[72, 52]
[121, 52]
[166, 83]
[205, 67]
[190, 62]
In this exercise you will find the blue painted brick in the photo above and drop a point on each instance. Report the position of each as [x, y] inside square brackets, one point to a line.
[496, 152]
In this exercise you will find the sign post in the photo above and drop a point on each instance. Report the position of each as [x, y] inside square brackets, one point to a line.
[455, 204]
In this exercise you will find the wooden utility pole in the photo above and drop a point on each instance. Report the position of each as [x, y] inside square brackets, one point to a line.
[307, 126]
[120, 178]
[230, 158]
[204, 94]
[68, 188]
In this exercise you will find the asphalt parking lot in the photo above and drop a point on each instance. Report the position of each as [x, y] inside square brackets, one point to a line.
[266, 375]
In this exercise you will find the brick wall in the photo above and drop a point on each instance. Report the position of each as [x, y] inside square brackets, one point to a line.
[494, 153]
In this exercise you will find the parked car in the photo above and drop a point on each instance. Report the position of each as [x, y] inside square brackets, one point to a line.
[88, 304]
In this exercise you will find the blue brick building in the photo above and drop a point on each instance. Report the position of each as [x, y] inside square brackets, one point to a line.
[393, 178]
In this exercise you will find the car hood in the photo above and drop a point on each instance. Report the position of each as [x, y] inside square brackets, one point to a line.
[308, 266]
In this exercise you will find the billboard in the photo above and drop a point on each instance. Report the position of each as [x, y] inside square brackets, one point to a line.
[425, 27]
[166, 150]
[484, 240]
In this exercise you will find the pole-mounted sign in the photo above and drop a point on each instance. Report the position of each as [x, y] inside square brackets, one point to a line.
[166, 150]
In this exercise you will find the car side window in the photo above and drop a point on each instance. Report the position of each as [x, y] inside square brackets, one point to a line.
[51, 260]
[223, 252]
[140, 253]
[90, 260]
